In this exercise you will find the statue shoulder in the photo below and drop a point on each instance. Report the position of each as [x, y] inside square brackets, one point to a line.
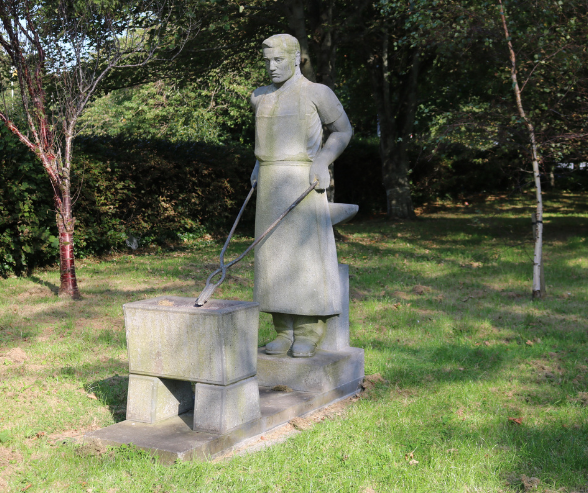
[325, 101]
[319, 91]
[260, 91]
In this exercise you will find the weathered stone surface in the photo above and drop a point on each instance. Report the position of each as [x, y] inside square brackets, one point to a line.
[323, 372]
[168, 337]
[341, 213]
[337, 333]
[152, 399]
[219, 409]
[174, 439]
[296, 265]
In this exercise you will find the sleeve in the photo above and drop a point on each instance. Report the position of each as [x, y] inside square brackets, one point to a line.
[328, 106]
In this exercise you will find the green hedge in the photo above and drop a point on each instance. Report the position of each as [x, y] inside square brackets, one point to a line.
[27, 216]
[156, 192]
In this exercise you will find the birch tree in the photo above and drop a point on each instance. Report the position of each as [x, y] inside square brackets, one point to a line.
[538, 282]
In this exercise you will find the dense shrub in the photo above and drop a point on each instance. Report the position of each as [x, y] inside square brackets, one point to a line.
[27, 216]
[144, 192]
[155, 191]
[458, 171]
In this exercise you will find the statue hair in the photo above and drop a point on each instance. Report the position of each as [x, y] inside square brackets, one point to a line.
[284, 41]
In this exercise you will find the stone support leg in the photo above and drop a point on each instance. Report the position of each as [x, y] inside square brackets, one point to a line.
[152, 399]
[221, 408]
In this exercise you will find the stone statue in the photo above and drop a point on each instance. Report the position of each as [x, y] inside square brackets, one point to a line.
[296, 277]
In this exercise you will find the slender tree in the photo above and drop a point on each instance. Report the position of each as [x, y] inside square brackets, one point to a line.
[538, 282]
[62, 51]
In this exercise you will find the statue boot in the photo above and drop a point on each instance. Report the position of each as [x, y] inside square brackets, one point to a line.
[284, 325]
[308, 332]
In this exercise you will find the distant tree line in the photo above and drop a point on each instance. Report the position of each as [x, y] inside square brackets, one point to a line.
[426, 84]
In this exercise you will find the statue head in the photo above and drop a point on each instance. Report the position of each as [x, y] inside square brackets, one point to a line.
[281, 54]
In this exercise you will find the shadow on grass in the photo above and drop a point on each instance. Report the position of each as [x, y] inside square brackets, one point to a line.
[112, 392]
[54, 289]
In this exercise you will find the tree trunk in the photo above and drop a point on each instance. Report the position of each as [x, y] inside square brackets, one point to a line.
[327, 46]
[294, 12]
[396, 126]
[65, 225]
[538, 277]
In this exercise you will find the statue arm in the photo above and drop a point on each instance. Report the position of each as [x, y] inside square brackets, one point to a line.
[341, 133]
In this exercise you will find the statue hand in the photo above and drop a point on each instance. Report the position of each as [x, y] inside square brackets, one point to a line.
[320, 172]
[255, 174]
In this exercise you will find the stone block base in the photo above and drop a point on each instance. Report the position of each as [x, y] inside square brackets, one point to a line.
[323, 372]
[174, 439]
[219, 409]
[152, 399]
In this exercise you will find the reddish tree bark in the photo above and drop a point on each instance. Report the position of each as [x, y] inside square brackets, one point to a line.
[87, 44]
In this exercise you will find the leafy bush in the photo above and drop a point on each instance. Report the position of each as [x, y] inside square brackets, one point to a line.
[155, 191]
[125, 192]
[27, 218]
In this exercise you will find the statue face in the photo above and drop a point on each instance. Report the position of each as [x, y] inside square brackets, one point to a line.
[279, 65]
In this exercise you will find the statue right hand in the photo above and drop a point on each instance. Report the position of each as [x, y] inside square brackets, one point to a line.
[255, 174]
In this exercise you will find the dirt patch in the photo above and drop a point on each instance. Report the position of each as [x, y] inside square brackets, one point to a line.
[401, 295]
[358, 294]
[75, 435]
[420, 289]
[17, 355]
[9, 462]
[370, 382]
[37, 292]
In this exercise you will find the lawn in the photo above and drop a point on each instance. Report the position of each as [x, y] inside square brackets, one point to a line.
[481, 389]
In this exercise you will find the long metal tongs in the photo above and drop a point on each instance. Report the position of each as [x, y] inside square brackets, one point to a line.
[222, 270]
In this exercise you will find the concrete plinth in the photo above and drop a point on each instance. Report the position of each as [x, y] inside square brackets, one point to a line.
[323, 372]
[337, 333]
[219, 409]
[174, 439]
[152, 399]
[168, 337]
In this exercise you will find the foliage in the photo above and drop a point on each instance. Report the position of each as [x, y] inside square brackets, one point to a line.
[212, 109]
[155, 191]
[27, 217]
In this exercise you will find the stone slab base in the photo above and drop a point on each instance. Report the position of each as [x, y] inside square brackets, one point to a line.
[174, 439]
[323, 372]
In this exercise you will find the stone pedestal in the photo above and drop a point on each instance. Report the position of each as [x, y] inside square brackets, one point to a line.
[168, 337]
[221, 408]
[325, 371]
[334, 365]
[337, 334]
[171, 343]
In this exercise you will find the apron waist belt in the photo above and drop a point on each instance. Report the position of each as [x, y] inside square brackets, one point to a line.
[285, 163]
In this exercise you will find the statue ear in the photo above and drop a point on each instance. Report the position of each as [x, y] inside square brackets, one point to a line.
[297, 58]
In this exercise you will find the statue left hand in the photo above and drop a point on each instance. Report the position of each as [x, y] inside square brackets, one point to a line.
[320, 172]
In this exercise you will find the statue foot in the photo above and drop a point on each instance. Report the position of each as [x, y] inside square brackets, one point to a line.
[280, 345]
[303, 347]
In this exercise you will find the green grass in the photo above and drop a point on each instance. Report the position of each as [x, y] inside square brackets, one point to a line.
[442, 308]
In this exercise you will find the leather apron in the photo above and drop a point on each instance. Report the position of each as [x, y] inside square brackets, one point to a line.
[296, 267]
